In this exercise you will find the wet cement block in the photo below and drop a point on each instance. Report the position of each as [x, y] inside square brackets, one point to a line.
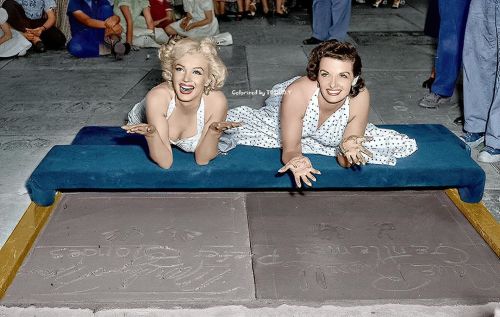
[139, 247]
[367, 246]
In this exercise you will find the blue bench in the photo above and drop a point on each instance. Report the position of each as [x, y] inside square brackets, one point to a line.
[108, 159]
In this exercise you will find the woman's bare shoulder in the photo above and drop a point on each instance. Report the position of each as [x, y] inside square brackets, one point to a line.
[162, 90]
[362, 99]
[302, 88]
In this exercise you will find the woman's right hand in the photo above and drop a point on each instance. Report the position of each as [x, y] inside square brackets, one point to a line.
[302, 170]
[223, 126]
[142, 128]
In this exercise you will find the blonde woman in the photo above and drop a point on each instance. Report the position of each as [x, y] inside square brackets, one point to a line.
[187, 110]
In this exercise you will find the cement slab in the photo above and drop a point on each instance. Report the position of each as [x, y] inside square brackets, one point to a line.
[53, 60]
[4, 62]
[12, 207]
[395, 58]
[491, 200]
[20, 155]
[407, 245]
[55, 85]
[139, 247]
[283, 55]
[381, 20]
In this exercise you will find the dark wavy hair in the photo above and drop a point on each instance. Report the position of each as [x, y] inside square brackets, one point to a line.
[338, 50]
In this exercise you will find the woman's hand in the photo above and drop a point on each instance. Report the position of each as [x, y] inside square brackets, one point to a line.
[184, 23]
[36, 31]
[112, 26]
[222, 126]
[142, 128]
[302, 170]
[353, 151]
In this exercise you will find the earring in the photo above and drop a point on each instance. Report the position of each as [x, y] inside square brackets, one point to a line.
[355, 81]
[317, 84]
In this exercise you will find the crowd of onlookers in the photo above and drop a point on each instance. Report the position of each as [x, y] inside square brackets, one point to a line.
[100, 27]
[464, 28]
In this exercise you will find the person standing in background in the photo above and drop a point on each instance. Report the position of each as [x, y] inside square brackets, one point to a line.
[453, 15]
[330, 21]
[481, 79]
[36, 20]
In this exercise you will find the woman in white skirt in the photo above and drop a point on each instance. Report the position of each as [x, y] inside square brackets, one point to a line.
[12, 43]
[200, 20]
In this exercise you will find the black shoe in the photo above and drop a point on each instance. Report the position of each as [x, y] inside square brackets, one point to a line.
[459, 121]
[428, 83]
[224, 18]
[40, 47]
[312, 41]
[281, 15]
[240, 16]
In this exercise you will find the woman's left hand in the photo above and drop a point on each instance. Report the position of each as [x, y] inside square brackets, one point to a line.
[36, 32]
[223, 126]
[302, 170]
[354, 151]
[141, 128]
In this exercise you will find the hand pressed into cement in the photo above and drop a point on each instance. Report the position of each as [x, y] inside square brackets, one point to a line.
[302, 170]
[354, 151]
[141, 128]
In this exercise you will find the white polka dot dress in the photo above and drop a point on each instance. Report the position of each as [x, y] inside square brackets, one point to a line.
[261, 128]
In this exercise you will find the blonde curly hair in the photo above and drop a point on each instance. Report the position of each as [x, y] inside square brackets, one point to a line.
[177, 48]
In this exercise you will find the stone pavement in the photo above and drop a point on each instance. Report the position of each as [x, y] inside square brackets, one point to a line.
[46, 98]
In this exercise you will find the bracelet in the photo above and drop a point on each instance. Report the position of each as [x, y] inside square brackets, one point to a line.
[44, 28]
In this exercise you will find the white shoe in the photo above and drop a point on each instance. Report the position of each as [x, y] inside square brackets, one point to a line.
[489, 155]
[145, 41]
[223, 39]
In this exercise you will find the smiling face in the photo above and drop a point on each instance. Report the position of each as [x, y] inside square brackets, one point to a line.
[189, 76]
[335, 78]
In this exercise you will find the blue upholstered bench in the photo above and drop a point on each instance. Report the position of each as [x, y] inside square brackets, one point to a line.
[106, 158]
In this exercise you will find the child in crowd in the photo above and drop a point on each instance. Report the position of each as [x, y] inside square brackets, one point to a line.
[188, 110]
[162, 12]
[36, 20]
[200, 20]
[325, 112]
[95, 30]
[12, 43]
[137, 24]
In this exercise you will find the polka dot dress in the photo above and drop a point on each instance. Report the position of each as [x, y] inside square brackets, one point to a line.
[261, 128]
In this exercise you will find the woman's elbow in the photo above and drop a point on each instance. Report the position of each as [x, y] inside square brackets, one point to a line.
[201, 161]
[164, 165]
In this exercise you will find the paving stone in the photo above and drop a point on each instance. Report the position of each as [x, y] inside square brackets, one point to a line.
[44, 86]
[367, 246]
[491, 200]
[12, 207]
[385, 20]
[139, 247]
[20, 155]
[283, 55]
[56, 60]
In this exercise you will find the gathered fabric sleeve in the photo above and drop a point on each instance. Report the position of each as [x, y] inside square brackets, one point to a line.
[49, 5]
[3, 16]
[207, 5]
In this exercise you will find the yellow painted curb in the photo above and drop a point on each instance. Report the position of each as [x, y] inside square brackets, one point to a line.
[480, 218]
[20, 240]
